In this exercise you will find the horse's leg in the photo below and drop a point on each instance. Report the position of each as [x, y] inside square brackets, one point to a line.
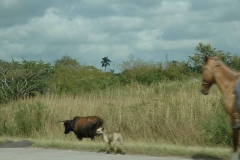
[229, 103]
[235, 155]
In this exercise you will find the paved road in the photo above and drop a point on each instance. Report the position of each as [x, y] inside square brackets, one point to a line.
[57, 154]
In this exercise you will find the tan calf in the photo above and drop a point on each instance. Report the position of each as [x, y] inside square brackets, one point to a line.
[111, 137]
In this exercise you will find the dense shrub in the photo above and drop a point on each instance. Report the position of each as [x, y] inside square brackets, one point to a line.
[4, 129]
[206, 50]
[23, 79]
[29, 78]
[177, 71]
[216, 129]
[235, 62]
[29, 118]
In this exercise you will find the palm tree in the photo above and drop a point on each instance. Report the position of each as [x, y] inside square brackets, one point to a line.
[105, 62]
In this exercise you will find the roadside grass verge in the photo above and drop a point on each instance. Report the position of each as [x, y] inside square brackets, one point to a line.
[168, 118]
[132, 148]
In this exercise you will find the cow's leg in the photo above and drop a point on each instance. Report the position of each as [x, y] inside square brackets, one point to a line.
[92, 138]
[80, 138]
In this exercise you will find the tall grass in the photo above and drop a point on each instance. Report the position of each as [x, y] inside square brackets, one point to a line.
[168, 112]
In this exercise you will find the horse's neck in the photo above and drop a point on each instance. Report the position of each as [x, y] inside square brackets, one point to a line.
[225, 79]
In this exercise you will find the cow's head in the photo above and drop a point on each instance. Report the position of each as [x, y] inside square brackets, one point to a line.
[69, 125]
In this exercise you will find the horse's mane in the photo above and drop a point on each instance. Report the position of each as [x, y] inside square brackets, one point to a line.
[219, 62]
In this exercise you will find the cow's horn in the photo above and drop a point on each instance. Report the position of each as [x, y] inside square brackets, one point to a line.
[61, 121]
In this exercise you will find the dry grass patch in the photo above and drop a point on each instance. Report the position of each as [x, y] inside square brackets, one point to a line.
[173, 113]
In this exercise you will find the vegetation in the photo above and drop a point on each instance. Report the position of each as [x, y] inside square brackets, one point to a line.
[66, 76]
[172, 113]
[21, 80]
[105, 62]
[149, 102]
[202, 50]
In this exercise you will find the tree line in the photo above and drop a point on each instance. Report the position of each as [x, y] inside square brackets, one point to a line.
[30, 78]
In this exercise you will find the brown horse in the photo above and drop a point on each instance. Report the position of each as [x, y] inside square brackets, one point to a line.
[214, 71]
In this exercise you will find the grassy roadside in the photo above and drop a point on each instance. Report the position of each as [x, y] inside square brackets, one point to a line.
[169, 118]
[140, 148]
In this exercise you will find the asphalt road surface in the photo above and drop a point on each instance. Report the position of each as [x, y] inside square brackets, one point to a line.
[57, 154]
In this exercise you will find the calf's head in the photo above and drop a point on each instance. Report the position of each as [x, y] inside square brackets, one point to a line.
[100, 131]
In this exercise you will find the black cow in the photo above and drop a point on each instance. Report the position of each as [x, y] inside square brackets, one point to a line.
[83, 127]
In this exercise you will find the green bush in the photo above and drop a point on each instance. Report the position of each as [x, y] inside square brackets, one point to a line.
[140, 71]
[23, 79]
[5, 129]
[30, 118]
[216, 129]
[177, 71]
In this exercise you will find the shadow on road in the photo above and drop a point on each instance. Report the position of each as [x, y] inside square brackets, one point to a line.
[18, 144]
[111, 151]
[205, 157]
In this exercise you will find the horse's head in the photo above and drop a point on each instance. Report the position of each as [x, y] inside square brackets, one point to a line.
[208, 74]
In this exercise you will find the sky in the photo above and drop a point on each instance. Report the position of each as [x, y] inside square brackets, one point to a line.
[88, 30]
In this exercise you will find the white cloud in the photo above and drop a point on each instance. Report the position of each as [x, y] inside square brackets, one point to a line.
[8, 3]
[90, 30]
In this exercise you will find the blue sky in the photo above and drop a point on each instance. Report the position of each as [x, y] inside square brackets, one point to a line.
[88, 30]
